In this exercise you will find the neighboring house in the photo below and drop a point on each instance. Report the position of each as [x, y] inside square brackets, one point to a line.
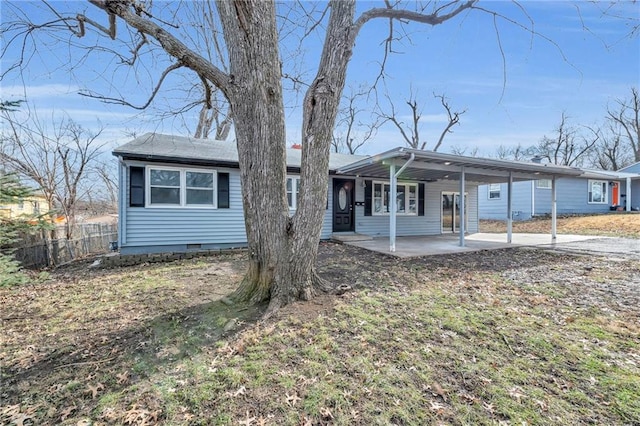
[33, 205]
[179, 194]
[635, 185]
[595, 191]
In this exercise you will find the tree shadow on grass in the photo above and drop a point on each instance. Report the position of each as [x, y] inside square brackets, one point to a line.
[77, 376]
[65, 377]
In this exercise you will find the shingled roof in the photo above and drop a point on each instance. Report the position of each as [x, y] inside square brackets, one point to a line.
[186, 150]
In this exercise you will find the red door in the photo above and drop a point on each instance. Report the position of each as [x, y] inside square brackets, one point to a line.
[615, 194]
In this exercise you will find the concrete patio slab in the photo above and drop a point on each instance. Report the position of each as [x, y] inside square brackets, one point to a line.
[449, 244]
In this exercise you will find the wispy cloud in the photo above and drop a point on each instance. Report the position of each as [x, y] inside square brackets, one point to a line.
[38, 91]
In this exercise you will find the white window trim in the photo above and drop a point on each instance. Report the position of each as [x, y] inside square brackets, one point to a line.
[183, 188]
[295, 181]
[489, 191]
[538, 186]
[406, 198]
[590, 192]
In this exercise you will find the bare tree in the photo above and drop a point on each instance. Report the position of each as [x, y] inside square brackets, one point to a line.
[214, 116]
[516, 153]
[627, 117]
[465, 150]
[351, 133]
[107, 194]
[569, 146]
[282, 249]
[611, 152]
[411, 132]
[58, 160]
[453, 117]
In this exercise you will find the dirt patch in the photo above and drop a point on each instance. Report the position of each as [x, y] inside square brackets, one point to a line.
[616, 224]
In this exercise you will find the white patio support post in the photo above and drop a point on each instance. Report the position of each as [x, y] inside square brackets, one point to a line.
[462, 212]
[393, 203]
[392, 206]
[509, 208]
[628, 197]
[553, 210]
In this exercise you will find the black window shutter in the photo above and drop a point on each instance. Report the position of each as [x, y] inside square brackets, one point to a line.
[223, 190]
[368, 190]
[421, 199]
[136, 186]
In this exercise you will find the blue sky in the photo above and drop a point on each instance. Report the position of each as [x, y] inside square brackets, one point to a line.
[515, 101]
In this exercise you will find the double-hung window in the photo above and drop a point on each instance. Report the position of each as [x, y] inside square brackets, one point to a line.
[292, 192]
[406, 202]
[199, 188]
[597, 192]
[164, 187]
[181, 187]
[494, 191]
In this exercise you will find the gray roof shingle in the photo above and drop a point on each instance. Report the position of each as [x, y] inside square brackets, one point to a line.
[154, 146]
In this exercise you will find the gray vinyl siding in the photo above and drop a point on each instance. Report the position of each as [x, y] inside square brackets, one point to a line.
[429, 224]
[149, 230]
[572, 197]
[154, 230]
[635, 194]
[496, 208]
[327, 220]
[635, 185]
[522, 199]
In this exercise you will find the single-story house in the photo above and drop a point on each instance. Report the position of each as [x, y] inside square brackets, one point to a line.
[635, 184]
[179, 193]
[595, 191]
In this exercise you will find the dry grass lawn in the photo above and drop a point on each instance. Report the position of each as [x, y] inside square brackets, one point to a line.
[615, 224]
[517, 336]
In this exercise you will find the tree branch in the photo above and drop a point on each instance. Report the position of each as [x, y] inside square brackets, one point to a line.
[117, 101]
[454, 118]
[169, 43]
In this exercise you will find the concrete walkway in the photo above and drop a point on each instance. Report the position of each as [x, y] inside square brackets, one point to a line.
[448, 244]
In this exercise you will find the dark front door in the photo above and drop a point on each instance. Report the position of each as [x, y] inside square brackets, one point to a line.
[343, 202]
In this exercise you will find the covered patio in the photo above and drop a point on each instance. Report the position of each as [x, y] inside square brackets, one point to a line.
[407, 247]
[428, 166]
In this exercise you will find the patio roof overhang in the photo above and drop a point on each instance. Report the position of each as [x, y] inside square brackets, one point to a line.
[429, 166]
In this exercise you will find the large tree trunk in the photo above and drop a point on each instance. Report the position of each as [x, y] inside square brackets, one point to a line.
[282, 250]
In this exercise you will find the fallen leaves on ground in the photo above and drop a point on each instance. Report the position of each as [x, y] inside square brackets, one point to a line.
[508, 336]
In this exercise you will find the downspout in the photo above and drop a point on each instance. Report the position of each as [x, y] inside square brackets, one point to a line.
[122, 211]
[392, 200]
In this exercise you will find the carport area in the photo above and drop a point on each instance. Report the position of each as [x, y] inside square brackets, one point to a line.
[427, 166]
[449, 244]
